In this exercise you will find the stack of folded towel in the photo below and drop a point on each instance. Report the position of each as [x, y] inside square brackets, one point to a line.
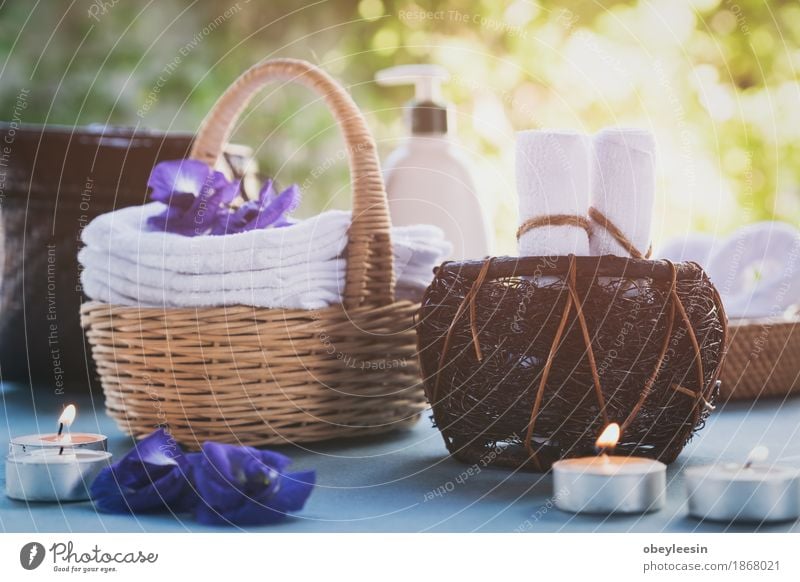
[297, 266]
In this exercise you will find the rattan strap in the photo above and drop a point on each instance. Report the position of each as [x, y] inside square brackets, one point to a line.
[618, 235]
[370, 265]
[553, 220]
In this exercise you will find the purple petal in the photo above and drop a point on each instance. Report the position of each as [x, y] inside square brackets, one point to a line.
[113, 492]
[218, 190]
[294, 491]
[203, 214]
[162, 221]
[180, 200]
[274, 460]
[223, 223]
[159, 448]
[184, 176]
[281, 205]
[153, 476]
[215, 456]
[267, 192]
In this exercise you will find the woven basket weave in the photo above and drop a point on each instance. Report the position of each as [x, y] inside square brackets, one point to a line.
[763, 360]
[526, 360]
[260, 376]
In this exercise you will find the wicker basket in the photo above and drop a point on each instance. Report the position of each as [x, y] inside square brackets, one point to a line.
[269, 376]
[763, 360]
[526, 360]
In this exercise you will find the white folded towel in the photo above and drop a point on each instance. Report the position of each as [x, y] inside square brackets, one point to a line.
[120, 291]
[552, 169]
[757, 270]
[288, 267]
[622, 188]
[124, 233]
[100, 265]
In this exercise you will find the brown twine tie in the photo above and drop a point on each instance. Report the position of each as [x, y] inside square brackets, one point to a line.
[618, 235]
[554, 220]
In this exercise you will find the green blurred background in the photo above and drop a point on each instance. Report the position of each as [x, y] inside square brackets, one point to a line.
[715, 80]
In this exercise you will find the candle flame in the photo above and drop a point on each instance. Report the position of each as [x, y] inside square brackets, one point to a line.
[609, 437]
[68, 416]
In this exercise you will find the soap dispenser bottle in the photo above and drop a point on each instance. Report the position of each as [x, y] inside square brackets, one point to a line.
[427, 178]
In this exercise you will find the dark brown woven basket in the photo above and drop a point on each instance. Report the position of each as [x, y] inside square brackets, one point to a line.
[526, 360]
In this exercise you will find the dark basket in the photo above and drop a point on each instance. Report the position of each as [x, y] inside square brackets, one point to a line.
[511, 381]
[56, 180]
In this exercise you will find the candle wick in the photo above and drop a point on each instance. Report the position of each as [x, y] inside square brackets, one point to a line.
[748, 464]
[61, 451]
[60, 428]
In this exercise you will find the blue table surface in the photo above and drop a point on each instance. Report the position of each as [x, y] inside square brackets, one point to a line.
[385, 484]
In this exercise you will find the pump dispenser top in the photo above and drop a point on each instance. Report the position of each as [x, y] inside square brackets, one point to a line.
[428, 177]
[427, 111]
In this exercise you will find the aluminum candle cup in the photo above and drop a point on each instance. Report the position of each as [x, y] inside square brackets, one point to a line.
[609, 484]
[46, 475]
[55, 467]
[75, 440]
[735, 492]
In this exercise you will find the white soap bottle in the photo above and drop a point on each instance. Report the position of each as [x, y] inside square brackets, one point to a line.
[428, 179]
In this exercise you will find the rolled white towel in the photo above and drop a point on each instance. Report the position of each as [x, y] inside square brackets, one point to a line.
[757, 270]
[552, 169]
[622, 189]
[695, 247]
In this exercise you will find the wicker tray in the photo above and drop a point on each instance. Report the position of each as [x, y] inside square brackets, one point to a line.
[763, 359]
[269, 376]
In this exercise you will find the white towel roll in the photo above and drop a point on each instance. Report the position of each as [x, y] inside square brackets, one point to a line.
[757, 270]
[622, 188]
[695, 246]
[552, 170]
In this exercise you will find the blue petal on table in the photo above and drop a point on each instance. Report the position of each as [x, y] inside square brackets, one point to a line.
[178, 176]
[246, 486]
[153, 476]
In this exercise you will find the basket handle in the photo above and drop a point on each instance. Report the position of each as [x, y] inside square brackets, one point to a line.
[369, 275]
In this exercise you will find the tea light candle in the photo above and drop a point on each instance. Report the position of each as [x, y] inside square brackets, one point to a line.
[31, 442]
[609, 484]
[753, 491]
[55, 467]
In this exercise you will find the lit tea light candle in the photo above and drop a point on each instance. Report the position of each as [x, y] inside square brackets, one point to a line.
[62, 438]
[753, 491]
[58, 467]
[607, 483]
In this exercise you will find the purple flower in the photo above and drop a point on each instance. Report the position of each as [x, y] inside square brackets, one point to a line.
[198, 201]
[154, 476]
[269, 210]
[246, 486]
[195, 196]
